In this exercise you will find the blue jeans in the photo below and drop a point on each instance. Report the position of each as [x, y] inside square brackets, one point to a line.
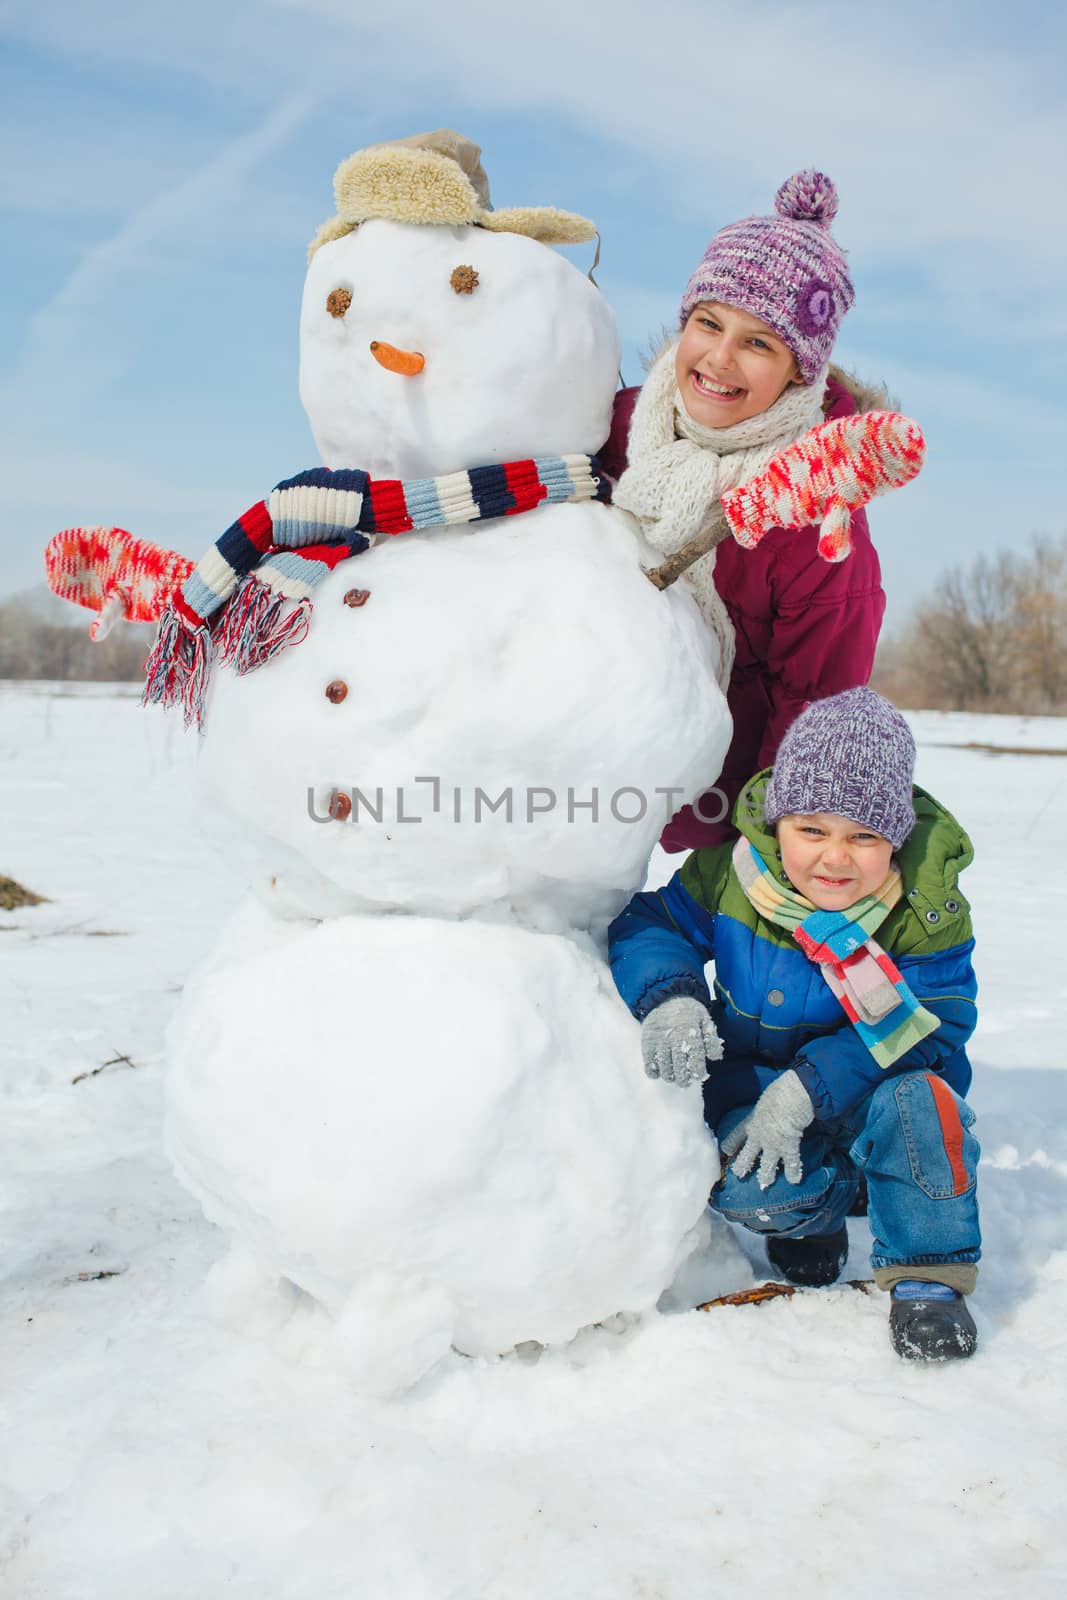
[911, 1138]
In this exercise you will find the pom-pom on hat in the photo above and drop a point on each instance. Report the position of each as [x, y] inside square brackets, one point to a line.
[787, 269]
[852, 755]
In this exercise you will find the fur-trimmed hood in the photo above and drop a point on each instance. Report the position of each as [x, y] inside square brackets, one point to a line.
[868, 396]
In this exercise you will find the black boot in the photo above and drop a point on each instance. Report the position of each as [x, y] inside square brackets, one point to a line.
[814, 1261]
[930, 1322]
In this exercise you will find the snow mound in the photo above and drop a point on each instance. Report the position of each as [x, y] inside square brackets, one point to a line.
[499, 682]
[485, 1164]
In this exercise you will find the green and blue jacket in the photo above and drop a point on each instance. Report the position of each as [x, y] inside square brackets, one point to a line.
[770, 1004]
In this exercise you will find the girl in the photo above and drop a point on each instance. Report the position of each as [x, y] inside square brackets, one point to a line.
[749, 374]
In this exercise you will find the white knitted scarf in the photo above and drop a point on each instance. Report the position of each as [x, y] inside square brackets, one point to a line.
[678, 470]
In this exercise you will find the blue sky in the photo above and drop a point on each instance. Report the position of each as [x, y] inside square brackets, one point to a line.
[167, 164]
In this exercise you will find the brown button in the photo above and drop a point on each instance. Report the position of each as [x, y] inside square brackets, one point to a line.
[357, 597]
[340, 807]
[336, 691]
[464, 280]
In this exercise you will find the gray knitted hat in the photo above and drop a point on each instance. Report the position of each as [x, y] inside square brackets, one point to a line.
[852, 755]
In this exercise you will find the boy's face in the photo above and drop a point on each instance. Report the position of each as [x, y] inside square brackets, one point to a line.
[730, 366]
[832, 861]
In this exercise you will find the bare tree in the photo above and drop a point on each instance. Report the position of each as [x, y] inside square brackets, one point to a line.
[992, 636]
[1042, 625]
[31, 648]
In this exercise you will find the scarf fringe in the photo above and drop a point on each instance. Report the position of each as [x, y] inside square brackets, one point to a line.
[178, 667]
[256, 626]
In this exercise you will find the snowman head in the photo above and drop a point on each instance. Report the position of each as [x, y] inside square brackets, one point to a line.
[437, 335]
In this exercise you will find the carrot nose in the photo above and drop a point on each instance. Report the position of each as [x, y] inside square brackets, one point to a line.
[406, 362]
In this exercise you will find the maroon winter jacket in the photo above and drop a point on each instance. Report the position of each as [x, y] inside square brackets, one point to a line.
[806, 628]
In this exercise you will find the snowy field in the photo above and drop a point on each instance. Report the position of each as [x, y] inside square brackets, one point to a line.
[150, 1453]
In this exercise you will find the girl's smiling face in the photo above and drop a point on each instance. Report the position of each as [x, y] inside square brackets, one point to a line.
[730, 366]
[832, 861]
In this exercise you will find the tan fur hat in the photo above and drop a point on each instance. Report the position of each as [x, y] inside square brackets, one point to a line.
[435, 178]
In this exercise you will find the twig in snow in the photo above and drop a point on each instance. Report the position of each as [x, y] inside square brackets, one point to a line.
[1006, 749]
[775, 1291]
[118, 1060]
[92, 1277]
[13, 894]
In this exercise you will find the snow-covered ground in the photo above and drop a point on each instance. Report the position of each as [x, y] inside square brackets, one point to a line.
[151, 1453]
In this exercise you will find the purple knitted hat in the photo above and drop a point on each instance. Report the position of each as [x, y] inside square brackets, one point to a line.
[788, 270]
[852, 755]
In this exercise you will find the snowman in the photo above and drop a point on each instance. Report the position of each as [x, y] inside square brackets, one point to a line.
[451, 716]
[402, 1082]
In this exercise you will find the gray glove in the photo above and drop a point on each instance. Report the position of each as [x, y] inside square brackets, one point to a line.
[678, 1039]
[771, 1133]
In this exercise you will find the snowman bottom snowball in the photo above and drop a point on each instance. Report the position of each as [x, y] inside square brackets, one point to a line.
[399, 1112]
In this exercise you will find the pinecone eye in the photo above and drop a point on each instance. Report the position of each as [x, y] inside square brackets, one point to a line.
[464, 280]
[338, 302]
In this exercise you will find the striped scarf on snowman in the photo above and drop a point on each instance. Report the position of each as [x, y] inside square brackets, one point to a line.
[250, 596]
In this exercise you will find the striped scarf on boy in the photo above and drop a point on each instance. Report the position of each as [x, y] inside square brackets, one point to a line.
[250, 596]
[875, 998]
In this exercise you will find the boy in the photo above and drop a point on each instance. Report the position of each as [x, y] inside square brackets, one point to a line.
[831, 1055]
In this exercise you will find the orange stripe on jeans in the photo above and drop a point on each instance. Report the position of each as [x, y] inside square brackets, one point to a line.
[951, 1130]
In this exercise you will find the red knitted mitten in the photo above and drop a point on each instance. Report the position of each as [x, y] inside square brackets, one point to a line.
[109, 571]
[825, 476]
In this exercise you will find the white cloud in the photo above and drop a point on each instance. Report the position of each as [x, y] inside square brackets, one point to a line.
[962, 399]
[54, 330]
[936, 141]
[945, 141]
[940, 139]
